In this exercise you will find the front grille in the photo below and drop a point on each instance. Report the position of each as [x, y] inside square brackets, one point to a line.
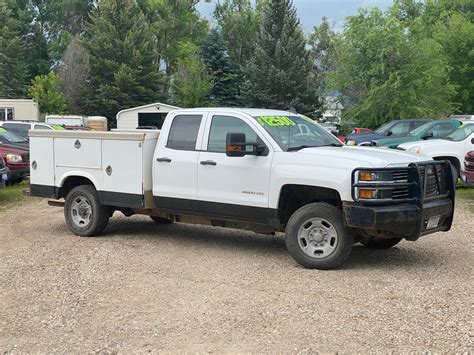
[2, 163]
[26, 157]
[401, 192]
[435, 179]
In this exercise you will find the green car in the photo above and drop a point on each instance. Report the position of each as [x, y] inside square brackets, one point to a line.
[430, 130]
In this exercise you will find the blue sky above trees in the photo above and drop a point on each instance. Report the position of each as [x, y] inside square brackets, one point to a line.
[311, 11]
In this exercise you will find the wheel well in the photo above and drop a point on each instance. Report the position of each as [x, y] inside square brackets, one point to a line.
[292, 197]
[453, 160]
[72, 182]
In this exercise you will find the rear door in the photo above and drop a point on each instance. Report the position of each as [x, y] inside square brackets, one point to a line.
[175, 162]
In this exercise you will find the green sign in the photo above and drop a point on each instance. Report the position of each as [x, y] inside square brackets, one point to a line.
[275, 121]
[2, 130]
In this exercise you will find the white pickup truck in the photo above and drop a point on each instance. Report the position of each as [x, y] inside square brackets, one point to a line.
[262, 170]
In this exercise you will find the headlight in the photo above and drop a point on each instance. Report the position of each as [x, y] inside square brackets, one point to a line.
[351, 142]
[383, 185]
[416, 150]
[370, 176]
[13, 158]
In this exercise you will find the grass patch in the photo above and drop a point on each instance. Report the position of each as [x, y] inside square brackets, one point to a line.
[11, 194]
[466, 194]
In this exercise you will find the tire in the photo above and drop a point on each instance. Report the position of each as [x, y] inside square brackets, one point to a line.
[84, 214]
[160, 220]
[381, 243]
[455, 173]
[316, 237]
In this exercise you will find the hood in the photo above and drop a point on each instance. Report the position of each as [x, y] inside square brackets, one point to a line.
[364, 137]
[422, 143]
[12, 149]
[395, 141]
[365, 156]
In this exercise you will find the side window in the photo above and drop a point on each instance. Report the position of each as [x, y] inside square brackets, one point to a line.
[416, 124]
[221, 125]
[442, 130]
[183, 132]
[401, 128]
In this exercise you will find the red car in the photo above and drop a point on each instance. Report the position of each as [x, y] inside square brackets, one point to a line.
[17, 160]
[469, 168]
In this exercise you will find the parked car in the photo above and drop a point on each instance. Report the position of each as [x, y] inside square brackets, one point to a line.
[468, 173]
[393, 129]
[8, 137]
[357, 131]
[22, 127]
[430, 130]
[262, 170]
[453, 148]
[17, 161]
[4, 172]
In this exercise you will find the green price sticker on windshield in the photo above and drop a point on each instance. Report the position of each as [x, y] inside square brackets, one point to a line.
[2, 130]
[57, 127]
[275, 121]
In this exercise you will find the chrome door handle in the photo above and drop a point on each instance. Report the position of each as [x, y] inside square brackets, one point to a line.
[164, 160]
[208, 162]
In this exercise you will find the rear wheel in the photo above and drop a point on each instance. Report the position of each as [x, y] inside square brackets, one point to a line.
[316, 237]
[381, 243]
[84, 214]
[160, 220]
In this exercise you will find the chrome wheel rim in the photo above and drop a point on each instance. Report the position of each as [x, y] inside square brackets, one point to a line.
[317, 238]
[81, 211]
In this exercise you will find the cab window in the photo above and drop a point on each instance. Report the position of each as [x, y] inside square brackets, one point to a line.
[183, 132]
[221, 125]
[20, 128]
[401, 128]
[442, 130]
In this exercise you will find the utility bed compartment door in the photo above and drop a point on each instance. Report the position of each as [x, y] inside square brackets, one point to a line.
[122, 164]
[78, 153]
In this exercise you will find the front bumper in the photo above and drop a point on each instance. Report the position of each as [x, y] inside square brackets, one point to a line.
[407, 220]
[426, 205]
[18, 172]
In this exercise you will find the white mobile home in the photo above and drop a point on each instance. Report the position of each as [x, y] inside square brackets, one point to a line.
[19, 110]
[148, 115]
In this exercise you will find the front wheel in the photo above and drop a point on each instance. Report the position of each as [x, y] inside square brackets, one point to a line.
[84, 214]
[316, 237]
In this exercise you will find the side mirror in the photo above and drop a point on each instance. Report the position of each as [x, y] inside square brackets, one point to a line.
[389, 133]
[472, 140]
[427, 135]
[236, 145]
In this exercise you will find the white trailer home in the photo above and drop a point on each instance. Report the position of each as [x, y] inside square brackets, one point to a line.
[147, 115]
[19, 110]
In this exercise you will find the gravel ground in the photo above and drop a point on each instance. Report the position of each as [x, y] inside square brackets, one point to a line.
[182, 288]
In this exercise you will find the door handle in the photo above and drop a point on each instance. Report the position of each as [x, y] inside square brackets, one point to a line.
[164, 160]
[208, 162]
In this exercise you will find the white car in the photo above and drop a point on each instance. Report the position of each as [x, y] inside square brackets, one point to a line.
[262, 170]
[453, 148]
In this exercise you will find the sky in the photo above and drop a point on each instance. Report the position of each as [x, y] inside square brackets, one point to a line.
[311, 11]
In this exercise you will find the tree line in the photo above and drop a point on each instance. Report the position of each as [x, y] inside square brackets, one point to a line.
[101, 56]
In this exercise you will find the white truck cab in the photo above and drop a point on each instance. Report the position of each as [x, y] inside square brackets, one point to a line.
[262, 170]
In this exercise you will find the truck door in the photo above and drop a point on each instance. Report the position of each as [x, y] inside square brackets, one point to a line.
[175, 163]
[232, 186]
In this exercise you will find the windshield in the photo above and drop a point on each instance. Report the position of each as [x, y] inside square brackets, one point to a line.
[420, 130]
[11, 137]
[297, 132]
[461, 133]
[385, 128]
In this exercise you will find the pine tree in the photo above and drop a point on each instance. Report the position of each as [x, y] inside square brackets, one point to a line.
[279, 75]
[122, 54]
[13, 68]
[225, 71]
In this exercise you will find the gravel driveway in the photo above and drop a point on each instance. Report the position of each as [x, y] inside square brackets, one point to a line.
[143, 287]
